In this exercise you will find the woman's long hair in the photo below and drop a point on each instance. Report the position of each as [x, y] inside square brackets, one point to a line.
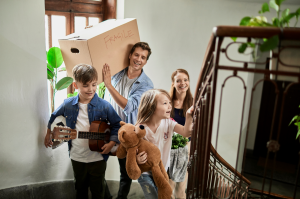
[188, 100]
[148, 104]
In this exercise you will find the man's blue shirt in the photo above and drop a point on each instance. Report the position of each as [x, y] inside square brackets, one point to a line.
[142, 84]
[98, 109]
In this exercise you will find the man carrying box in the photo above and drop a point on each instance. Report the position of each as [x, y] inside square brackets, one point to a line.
[124, 91]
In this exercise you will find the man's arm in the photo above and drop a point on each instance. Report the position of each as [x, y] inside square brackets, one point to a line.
[119, 99]
[135, 98]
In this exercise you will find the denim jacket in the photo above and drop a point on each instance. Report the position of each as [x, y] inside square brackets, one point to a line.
[98, 109]
[142, 84]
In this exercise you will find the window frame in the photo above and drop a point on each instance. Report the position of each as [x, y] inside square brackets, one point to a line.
[102, 9]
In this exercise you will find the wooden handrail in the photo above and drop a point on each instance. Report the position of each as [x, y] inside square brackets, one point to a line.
[227, 165]
[256, 32]
[208, 52]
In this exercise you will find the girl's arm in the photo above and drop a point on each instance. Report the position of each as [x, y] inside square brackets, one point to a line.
[186, 130]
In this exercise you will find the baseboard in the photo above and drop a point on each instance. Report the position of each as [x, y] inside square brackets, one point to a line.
[61, 190]
[48, 190]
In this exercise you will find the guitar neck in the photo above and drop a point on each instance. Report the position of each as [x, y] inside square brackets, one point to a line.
[93, 135]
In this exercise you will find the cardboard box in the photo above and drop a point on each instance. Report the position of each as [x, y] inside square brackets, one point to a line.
[107, 42]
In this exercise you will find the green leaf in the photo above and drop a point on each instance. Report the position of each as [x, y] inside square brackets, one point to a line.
[259, 21]
[297, 13]
[265, 8]
[242, 48]
[278, 2]
[271, 44]
[285, 13]
[49, 74]
[64, 83]
[54, 57]
[252, 45]
[287, 18]
[102, 85]
[234, 38]
[62, 69]
[276, 22]
[298, 133]
[72, 94]
[245, 21]
[274, 5]
[50, 67]
[294, 118]
[101, 90]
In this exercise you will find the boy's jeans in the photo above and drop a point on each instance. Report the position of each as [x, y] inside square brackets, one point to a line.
[149, 188]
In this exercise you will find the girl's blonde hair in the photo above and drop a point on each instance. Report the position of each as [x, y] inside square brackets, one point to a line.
[188, 100]
[148, 104]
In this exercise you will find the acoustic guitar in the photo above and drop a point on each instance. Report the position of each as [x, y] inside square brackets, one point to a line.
[98, 135]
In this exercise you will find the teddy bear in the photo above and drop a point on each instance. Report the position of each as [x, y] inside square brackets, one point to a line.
[130, 137]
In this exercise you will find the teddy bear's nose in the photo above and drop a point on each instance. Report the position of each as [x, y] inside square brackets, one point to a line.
[142, 127]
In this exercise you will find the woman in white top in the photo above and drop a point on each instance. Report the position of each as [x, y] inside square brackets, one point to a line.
[154, 113]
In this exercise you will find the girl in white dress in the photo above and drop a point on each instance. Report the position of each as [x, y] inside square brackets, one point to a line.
[154, 113]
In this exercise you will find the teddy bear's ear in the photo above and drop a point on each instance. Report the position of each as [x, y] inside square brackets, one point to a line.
[120, 136]
[122, 123]
[141, 132]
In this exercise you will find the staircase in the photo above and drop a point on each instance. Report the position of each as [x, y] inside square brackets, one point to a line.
[210, 176]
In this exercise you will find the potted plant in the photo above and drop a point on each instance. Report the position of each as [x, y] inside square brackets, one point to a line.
[282, 20]
[284, 55]
[55, 60]
[178, 158]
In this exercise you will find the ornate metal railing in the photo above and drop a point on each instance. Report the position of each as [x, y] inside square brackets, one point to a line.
[210, 176]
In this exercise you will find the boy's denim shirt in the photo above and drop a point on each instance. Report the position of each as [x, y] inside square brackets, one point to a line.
[98, 109]
[142, 84]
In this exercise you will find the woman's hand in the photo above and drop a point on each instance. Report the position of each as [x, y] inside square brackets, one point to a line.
[141, 158]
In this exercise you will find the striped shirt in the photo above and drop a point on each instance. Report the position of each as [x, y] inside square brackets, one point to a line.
[140, 85]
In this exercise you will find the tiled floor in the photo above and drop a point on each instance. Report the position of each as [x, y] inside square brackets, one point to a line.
[284, 176]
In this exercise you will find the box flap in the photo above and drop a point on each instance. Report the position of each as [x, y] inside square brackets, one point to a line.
[97, 29]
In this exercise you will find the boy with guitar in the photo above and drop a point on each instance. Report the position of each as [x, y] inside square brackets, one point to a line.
[88, 166]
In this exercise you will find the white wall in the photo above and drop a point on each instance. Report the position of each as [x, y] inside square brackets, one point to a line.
[23, 100]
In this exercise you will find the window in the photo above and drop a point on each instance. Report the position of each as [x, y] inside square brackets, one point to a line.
[64, 17]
